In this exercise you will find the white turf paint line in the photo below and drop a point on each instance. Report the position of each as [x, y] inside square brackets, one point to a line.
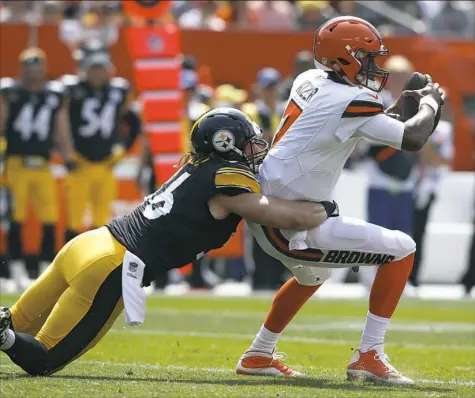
[393, 327]
[296, 339]
[337, 291]
[350, 323]
[218, 370]
[231, 314]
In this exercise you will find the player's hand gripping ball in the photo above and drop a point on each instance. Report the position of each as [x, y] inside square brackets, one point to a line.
[416, 87]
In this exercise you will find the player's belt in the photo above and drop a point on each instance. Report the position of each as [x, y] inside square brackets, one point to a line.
[34, 162]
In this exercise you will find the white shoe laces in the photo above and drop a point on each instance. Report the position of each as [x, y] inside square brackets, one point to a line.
[280, 356]
[385, 359]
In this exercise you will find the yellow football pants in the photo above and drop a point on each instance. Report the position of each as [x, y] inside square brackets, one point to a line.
[94, 185]
[76, 300]
[35, 185]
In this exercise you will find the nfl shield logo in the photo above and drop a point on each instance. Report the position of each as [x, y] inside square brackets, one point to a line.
[133, 266]
[155, 43]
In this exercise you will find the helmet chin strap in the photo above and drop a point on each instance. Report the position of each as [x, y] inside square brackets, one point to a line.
[348, 81]
[238, 151]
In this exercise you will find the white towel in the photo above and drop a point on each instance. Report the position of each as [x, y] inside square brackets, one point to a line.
[297, 239]
[132, 291]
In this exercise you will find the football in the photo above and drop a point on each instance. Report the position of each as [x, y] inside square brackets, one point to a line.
[410, 106]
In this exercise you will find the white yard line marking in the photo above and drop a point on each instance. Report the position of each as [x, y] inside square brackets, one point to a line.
[216, 370]
[336, 292]
[472, 368]
[297, 339]
[450, 382]
[216, 313]
[319, 322]
[429, 327]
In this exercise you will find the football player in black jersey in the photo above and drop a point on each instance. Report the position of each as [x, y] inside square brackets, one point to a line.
[75, 302]
[97, 103]
[33, 121]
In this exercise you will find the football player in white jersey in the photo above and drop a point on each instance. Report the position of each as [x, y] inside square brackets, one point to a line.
[330, 109]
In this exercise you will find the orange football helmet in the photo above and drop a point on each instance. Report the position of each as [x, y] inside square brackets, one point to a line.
[349, 46]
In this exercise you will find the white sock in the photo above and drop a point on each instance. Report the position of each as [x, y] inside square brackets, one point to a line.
[9, 341]
[374, 331]
[265, 341]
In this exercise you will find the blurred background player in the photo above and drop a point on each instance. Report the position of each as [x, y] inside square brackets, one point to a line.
[468, 278]
[303, 61]
[229, 96]
[194, 107]
[267, 109]
[393, 173]
[34, 121]
[434, 160]
[97, 103]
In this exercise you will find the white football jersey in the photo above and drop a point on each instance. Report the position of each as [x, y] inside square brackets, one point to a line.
[320, 127]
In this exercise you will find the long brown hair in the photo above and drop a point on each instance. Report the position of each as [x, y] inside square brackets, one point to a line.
[192, 158]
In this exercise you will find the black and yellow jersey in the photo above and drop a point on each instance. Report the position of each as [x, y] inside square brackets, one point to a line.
[174, 226]
[31, 117]
[95, 115]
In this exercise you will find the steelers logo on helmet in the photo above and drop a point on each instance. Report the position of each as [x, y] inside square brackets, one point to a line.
[223, 141]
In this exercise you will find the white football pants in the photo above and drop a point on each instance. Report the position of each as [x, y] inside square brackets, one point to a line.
[338, 242]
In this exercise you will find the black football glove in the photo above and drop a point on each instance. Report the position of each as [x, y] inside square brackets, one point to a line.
[331, 208]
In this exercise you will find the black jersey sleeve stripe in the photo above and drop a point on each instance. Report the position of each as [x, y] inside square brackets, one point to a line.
[368, 104]
[360, 114]
[362, 109]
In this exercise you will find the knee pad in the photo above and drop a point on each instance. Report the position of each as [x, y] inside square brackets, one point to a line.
[310, 276]
[48, 245]
[15, 250]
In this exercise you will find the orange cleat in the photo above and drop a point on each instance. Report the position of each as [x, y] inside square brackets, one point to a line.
[374, 366]
[257, 363]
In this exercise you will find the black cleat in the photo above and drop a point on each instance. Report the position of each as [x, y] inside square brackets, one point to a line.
[5, 320]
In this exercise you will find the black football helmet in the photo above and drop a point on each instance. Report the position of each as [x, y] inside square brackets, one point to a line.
[227, 133]
[93, 52]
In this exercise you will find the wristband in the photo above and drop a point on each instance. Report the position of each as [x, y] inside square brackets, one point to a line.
[331, 208]
[428, 100]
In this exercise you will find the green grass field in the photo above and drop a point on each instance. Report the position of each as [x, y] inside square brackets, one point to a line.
[188, 347]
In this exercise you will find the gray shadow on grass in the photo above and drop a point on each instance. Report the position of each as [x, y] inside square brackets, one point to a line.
[311, 382]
